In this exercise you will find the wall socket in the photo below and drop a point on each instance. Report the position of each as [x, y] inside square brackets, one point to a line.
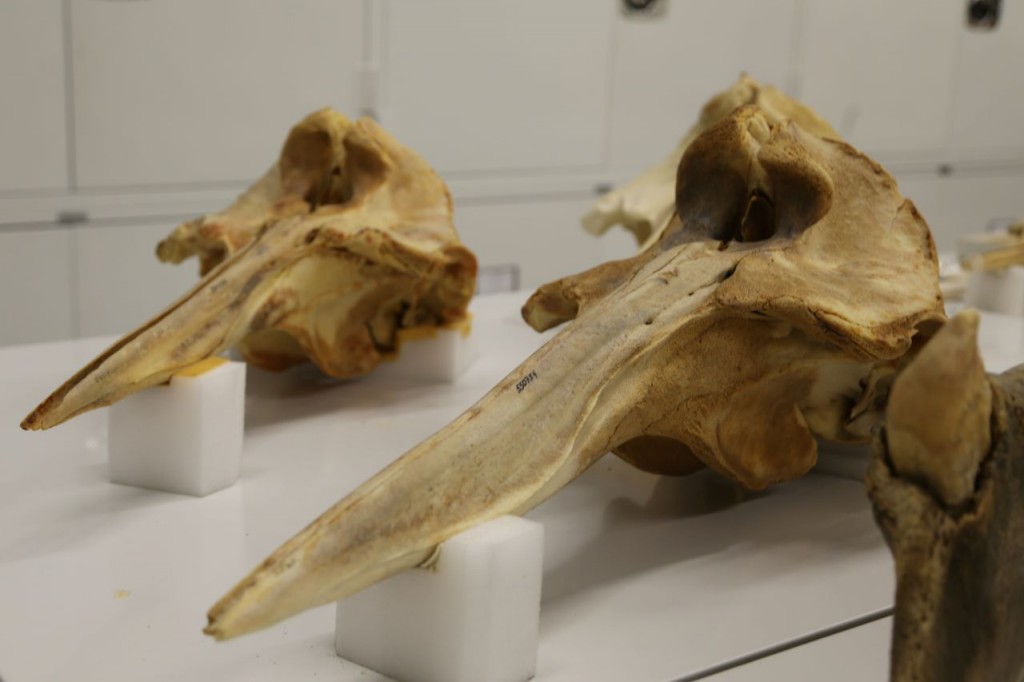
[983, 15]
[646, 9]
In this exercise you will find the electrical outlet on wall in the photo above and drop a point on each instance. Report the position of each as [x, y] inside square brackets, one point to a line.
[983, 14]
[646, 9]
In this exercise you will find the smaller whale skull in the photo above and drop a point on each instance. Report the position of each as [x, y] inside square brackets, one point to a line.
[776, 305]
[343, 242]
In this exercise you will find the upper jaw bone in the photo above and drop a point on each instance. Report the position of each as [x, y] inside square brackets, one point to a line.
[182, 335]
[215, 315]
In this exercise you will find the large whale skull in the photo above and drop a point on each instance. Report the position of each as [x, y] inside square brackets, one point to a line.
[346, 240]
[776, 306]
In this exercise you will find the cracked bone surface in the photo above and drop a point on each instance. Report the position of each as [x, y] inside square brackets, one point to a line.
[346, 240]
[644, 205]
[776, 306]
[947, 485]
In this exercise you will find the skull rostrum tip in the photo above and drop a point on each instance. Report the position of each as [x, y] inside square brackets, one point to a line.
[780, 290]
[345, 241]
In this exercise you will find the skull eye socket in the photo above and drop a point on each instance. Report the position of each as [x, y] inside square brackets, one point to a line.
[306, 160]
[757, 224]
[721, 206]
[711, 199]
[721, 189]
[733, 185]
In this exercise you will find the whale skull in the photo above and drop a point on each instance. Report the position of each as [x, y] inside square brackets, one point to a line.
[777, 304]
[346, 240]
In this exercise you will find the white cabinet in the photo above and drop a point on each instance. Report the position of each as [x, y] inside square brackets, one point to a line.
[665, 67]
[881, 71]
[35, 285]
[121, 284]
[987, 119]
[32, 116]
[962, 204]
[487, 86]
[542, 237]
[199, 91]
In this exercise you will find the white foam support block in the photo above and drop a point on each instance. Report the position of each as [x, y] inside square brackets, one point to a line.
[472, 617]
[184, 437]
[431, 354]
[1000, 291]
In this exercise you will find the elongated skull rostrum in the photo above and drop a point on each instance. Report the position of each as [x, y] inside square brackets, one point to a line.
[346, 240]
[776, 306]
[947, 485]
[644, 205]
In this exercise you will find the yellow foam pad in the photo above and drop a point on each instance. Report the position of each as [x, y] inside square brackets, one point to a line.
[201, 367]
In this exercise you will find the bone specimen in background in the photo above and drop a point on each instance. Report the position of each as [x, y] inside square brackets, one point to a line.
[776, 306]
[947, 485]
[348, 238]
[644, 205]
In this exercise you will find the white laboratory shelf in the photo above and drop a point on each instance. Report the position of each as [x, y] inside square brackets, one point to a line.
[645, 578]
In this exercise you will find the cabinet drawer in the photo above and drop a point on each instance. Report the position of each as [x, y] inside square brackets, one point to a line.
[35, 285]
[961, 204]
[990, 103]
[542, 237]
[486, 86]
[880, 71]
[192, 91]
[667, 66]
[121, 284]
[32, 117]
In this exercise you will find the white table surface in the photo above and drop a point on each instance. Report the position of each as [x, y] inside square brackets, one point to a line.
[645, 578]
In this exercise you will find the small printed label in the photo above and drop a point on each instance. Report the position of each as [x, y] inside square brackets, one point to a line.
[525, 381]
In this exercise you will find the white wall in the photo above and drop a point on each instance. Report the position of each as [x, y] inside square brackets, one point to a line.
[122, 118]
